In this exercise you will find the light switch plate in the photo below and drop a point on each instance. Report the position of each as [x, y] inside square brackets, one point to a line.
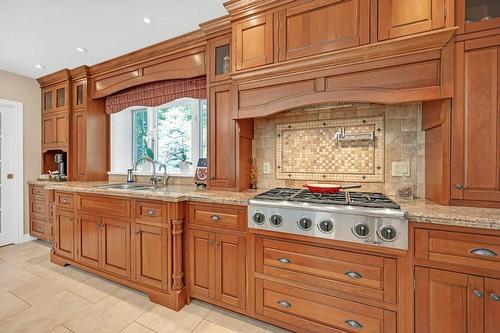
[400, 169]
[266, 168]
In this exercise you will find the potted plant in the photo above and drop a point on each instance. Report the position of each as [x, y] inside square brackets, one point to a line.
[184, 164]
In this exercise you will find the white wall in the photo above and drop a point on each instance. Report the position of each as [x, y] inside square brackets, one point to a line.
[26, 90]
[121, 141]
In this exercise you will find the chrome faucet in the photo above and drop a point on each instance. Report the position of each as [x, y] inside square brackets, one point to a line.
[165, 177]
[154, 179]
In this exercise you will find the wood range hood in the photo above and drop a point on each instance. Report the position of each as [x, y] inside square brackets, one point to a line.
[402, 70]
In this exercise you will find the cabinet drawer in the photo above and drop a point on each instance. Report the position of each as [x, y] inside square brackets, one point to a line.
[39, 228]
[38, 193]
[457, 248]
[63, 200]
[319, 313]
[149, 211]
[118, 207]
[368, 276]
[220, 216]
[38, 209]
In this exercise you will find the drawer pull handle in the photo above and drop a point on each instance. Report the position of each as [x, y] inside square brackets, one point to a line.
[495, 297]
[477, 293]
[284, 260]
[284, 304]
[65, 201]
[353, 275]
[215, 218]
[353, 323]
[483, 252]
[151, 212]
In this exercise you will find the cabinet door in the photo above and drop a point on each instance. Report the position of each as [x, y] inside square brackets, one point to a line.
[115, 250]
[151, 255]
[219, 57]
[79, 94]
[492, 305]
[222, 138]
[318, 26]
[475, 156]
[253, 42]
[230, 274]
[60, 97]
[88, 240]
[201, 265]
[448, 302]
[47, 100]
[61, 129]
[79, 145]
[398, 18]
[64, 234]
[48, 131]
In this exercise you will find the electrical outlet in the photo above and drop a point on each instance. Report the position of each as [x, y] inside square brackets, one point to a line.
[266, 168]
[401, 169]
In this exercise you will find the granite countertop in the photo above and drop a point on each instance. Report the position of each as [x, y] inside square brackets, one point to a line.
[417, 210]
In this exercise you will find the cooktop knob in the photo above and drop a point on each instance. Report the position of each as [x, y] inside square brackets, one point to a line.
[388, 233]
[276, 220]
[326, 226]
[362, 230]
[305, 223]
[259, 218]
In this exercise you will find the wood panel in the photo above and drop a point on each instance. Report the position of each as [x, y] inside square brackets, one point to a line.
[79, 145]
[319, 313]
[118, 207]
[116, 254]
[64, 240]
[217, 216]
[398, 18]
[445, 302]
[201, 264]
[475, 157]
[492, 305]
[151, 211]
[88, 240]
[48, 132]
[312, 27]
[253, 42]
[151, 250]
[230, 277]
[221, 138]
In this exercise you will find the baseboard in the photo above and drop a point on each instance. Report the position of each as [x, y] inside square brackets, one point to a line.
[26, 238]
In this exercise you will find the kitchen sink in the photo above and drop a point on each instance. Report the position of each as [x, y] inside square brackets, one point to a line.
[126, 186]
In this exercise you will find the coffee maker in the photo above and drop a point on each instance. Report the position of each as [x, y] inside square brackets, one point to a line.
[61, 164]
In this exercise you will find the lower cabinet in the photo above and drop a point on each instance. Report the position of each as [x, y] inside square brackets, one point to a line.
[216, 267]
[104, 243]
[455, 302]
[64, 239]
[151, 253]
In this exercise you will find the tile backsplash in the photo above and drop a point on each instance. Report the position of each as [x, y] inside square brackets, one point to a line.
[402, 140]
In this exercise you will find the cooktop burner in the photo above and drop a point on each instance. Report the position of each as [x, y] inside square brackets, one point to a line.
[365, 199]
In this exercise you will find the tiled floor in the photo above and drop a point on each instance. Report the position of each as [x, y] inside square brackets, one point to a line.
[38, 296]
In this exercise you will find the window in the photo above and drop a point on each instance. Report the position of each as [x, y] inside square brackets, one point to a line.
[169, 134]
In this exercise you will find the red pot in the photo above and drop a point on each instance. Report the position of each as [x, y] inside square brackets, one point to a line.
[328, 188]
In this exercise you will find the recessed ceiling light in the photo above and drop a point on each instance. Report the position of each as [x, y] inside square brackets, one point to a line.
[81, 49]
[148, 20]
[39, 66]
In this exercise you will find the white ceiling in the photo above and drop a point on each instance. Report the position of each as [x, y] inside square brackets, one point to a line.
[46, 32]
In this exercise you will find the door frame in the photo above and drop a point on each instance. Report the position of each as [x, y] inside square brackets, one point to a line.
[17, 109]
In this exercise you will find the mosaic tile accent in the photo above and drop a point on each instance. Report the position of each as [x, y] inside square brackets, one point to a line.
[308, 150]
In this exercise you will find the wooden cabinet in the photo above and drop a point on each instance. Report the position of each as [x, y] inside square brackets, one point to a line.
[151, 249]
[55, 131]
[475, 156]
[40, 212]
[116, 255]
[219, 58]
[216, 267]
[312, 27]
[477, 15]
[397, 18]
[88, 240]
[491, 305]
[55, 98]
[221, 138]
[253, 42]
[64, 238]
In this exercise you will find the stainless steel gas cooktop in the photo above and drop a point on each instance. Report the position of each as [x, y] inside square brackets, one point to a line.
[360, 217]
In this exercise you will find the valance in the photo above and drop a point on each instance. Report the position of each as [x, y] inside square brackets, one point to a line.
[157, 93]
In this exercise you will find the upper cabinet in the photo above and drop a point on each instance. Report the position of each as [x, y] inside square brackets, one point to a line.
[311, 27]
[79, 94]
[476, 15]
[219, 58]
[253, 42]
[55, 98]
[397, 18]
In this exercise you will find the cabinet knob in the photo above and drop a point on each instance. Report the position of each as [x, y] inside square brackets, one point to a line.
[215, 218]
[477, 293]
[284, 304]
[284, 260]
[353, 275]
[483, 252]
[353, 323]
[151, 212]
[495, 297]
[459, 186]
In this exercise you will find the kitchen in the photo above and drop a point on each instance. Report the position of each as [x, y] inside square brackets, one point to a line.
[285, 165]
